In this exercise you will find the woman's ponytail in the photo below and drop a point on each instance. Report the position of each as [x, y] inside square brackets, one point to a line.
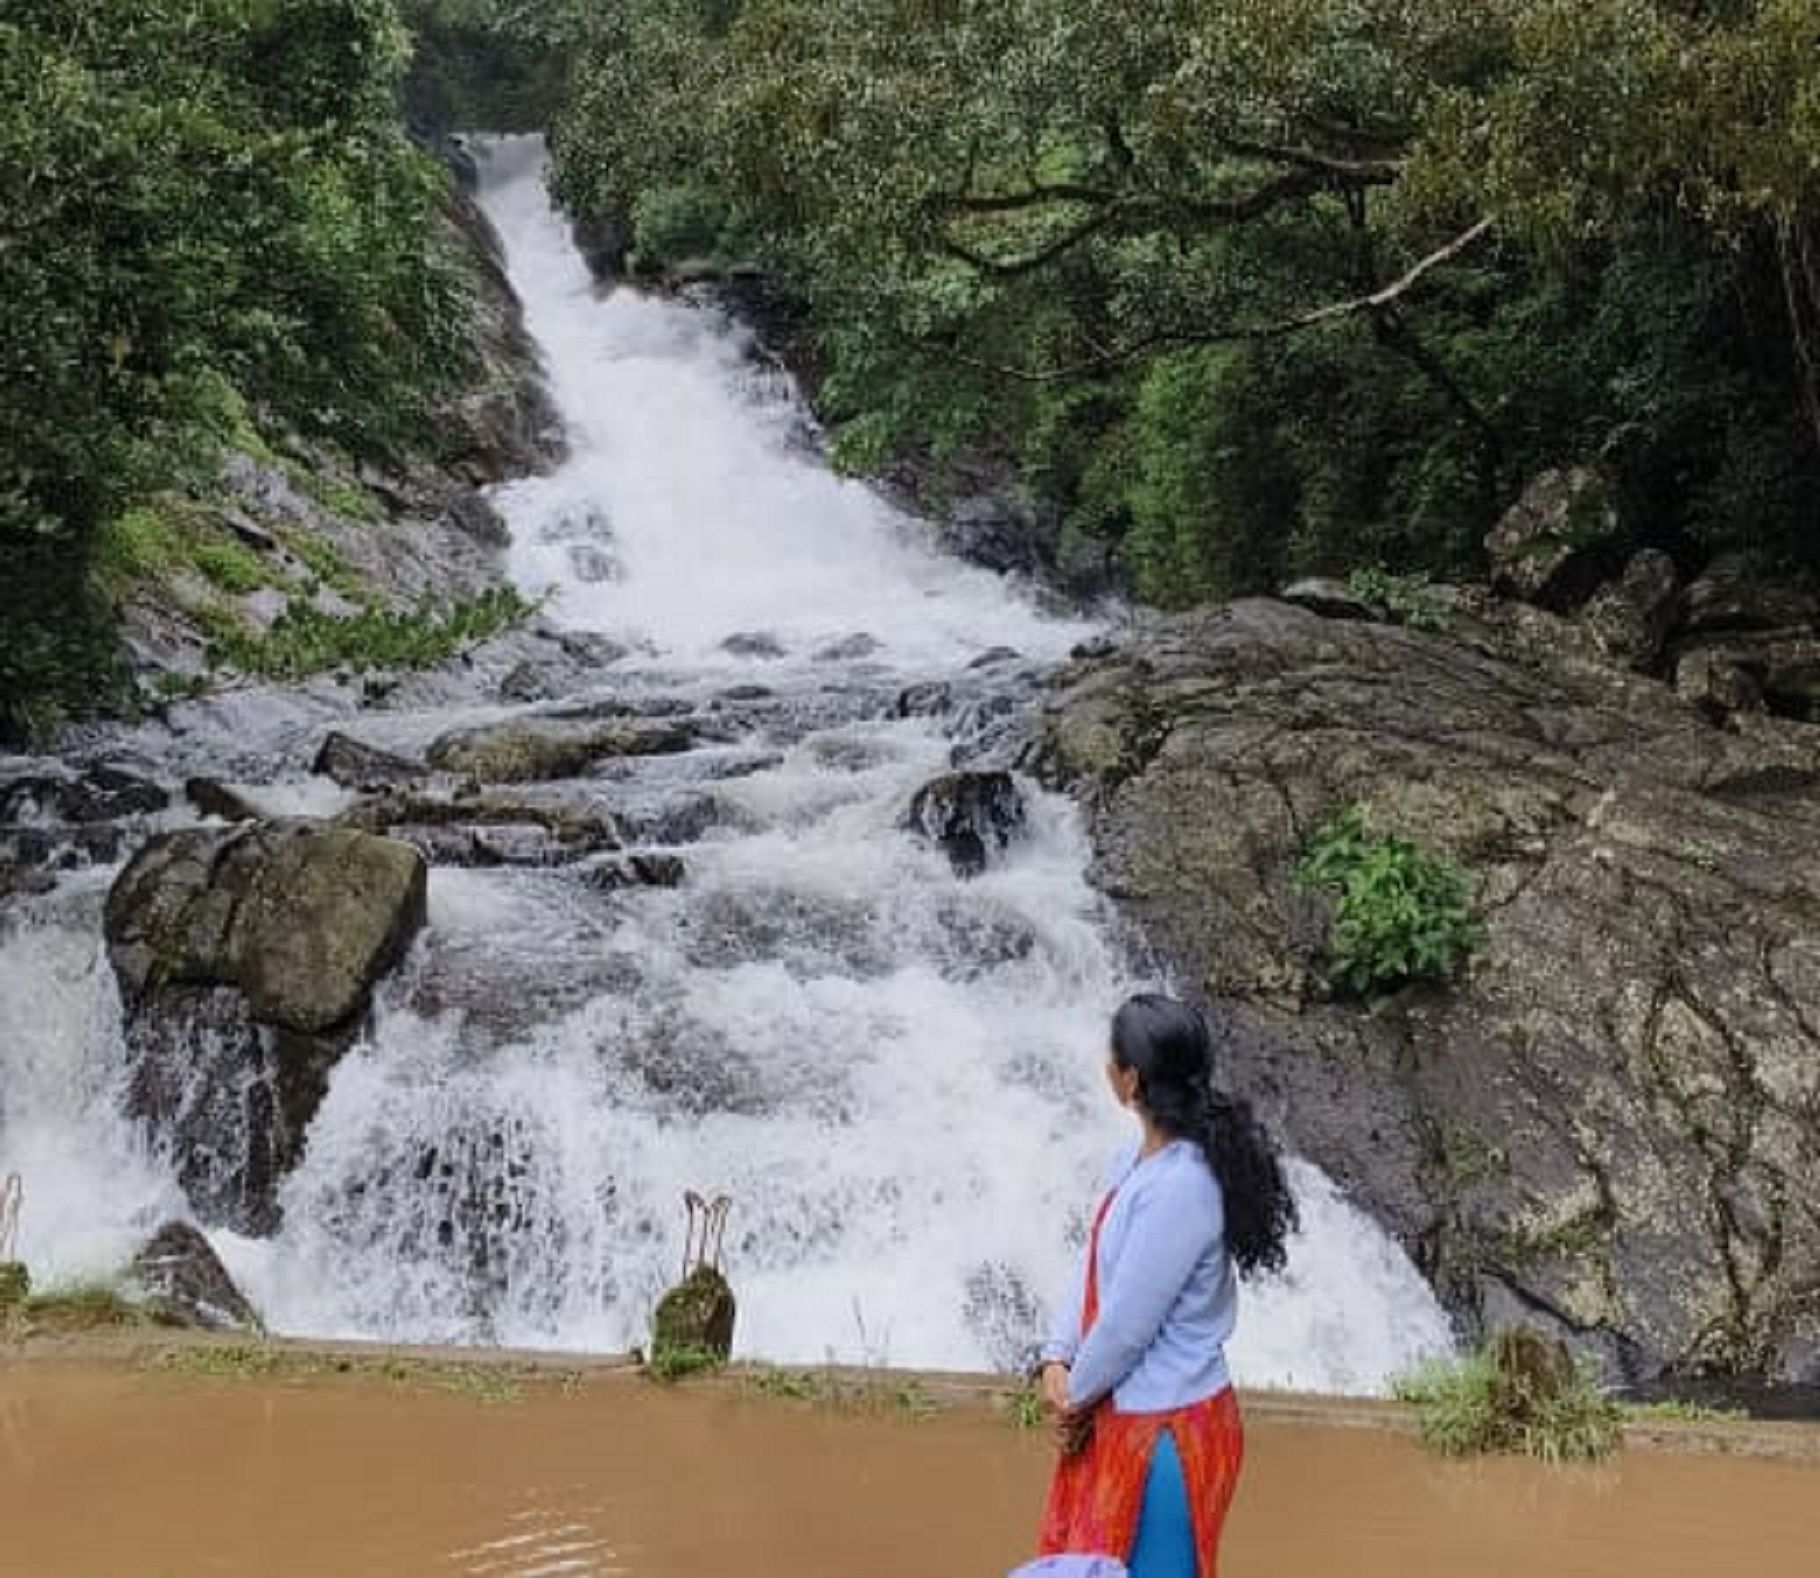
[1170, 1046]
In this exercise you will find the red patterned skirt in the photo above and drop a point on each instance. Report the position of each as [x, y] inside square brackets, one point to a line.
[1097, 1495]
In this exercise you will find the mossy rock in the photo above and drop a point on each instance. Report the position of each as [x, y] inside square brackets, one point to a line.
[697, 1313]
[15, 1284]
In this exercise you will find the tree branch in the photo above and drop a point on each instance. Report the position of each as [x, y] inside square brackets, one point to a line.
[1371, 302]
[1010, 268]
[1034, 196]
[1352, 172]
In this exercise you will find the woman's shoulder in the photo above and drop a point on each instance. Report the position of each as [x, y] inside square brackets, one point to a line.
[1180, 1174]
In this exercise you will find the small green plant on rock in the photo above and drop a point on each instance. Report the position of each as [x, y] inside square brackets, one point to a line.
[1400, 914]
[1519, 1393]
[1406, 600]
[303, 640]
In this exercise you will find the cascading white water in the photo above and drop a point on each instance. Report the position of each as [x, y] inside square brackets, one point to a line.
[894, 1073]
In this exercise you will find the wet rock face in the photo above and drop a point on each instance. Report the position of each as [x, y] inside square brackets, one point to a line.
[972, 816]
[246, 958]
[179, 1273]
[1611, 1124]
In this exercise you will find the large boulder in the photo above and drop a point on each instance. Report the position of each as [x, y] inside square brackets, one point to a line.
[1550, 546]
[178, 1273]
[246, 959]
[970, 815]
[1610, 1125]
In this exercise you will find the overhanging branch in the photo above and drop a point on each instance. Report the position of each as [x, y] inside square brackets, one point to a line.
[1371, 302]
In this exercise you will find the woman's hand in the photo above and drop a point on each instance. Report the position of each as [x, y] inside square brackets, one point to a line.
[1073, 1426]
[1073, 1430]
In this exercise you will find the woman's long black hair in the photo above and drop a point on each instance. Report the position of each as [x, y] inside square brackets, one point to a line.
[1171, 1048]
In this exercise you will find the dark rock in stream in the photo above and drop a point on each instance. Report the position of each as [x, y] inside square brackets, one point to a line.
[181, 1276]
[637, 871]
[970, 815]
[754, 644]
[1610, 1124]
[246, 959]
[355, 765]
[95, 794]
[849, 649]
[926, 699]
[214, 798]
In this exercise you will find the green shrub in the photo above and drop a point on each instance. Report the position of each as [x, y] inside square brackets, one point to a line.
[1517, 1393]
[670, 223]
[303, 640]
[1400, 914]
[1404, 600]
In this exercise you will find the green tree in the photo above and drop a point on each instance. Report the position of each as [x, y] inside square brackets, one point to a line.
[1329, 276]
[205, 205]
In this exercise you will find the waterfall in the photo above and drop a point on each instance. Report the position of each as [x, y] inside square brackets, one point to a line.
[896, 1074]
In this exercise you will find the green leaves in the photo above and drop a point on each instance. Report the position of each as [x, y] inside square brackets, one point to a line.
[1400, 914]
[204, 205]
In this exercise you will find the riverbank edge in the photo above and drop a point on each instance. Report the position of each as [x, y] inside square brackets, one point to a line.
[914, 1393]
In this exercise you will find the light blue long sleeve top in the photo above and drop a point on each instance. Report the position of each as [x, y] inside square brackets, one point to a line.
[1168, 1293]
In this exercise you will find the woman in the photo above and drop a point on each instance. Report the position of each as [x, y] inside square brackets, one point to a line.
[1135, 1370]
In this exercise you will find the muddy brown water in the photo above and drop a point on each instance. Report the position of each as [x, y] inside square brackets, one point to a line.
[125, 1472]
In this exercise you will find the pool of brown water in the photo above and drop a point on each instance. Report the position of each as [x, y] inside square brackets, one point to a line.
[112, 1471]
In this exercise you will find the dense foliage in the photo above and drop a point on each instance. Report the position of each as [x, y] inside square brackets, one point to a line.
[1265, 287]
[486, 65]
[207, 209]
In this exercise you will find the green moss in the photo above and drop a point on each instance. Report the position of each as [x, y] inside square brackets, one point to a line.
[15, 1284]
[798, 1386]
[675, 1361]
[324, 473]
[325, 562]
[1467, 1158]
[697, 1313]
[77, 1307]
[1676, 1410]
[231, 565]
[264, 1361]
[137, 545]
